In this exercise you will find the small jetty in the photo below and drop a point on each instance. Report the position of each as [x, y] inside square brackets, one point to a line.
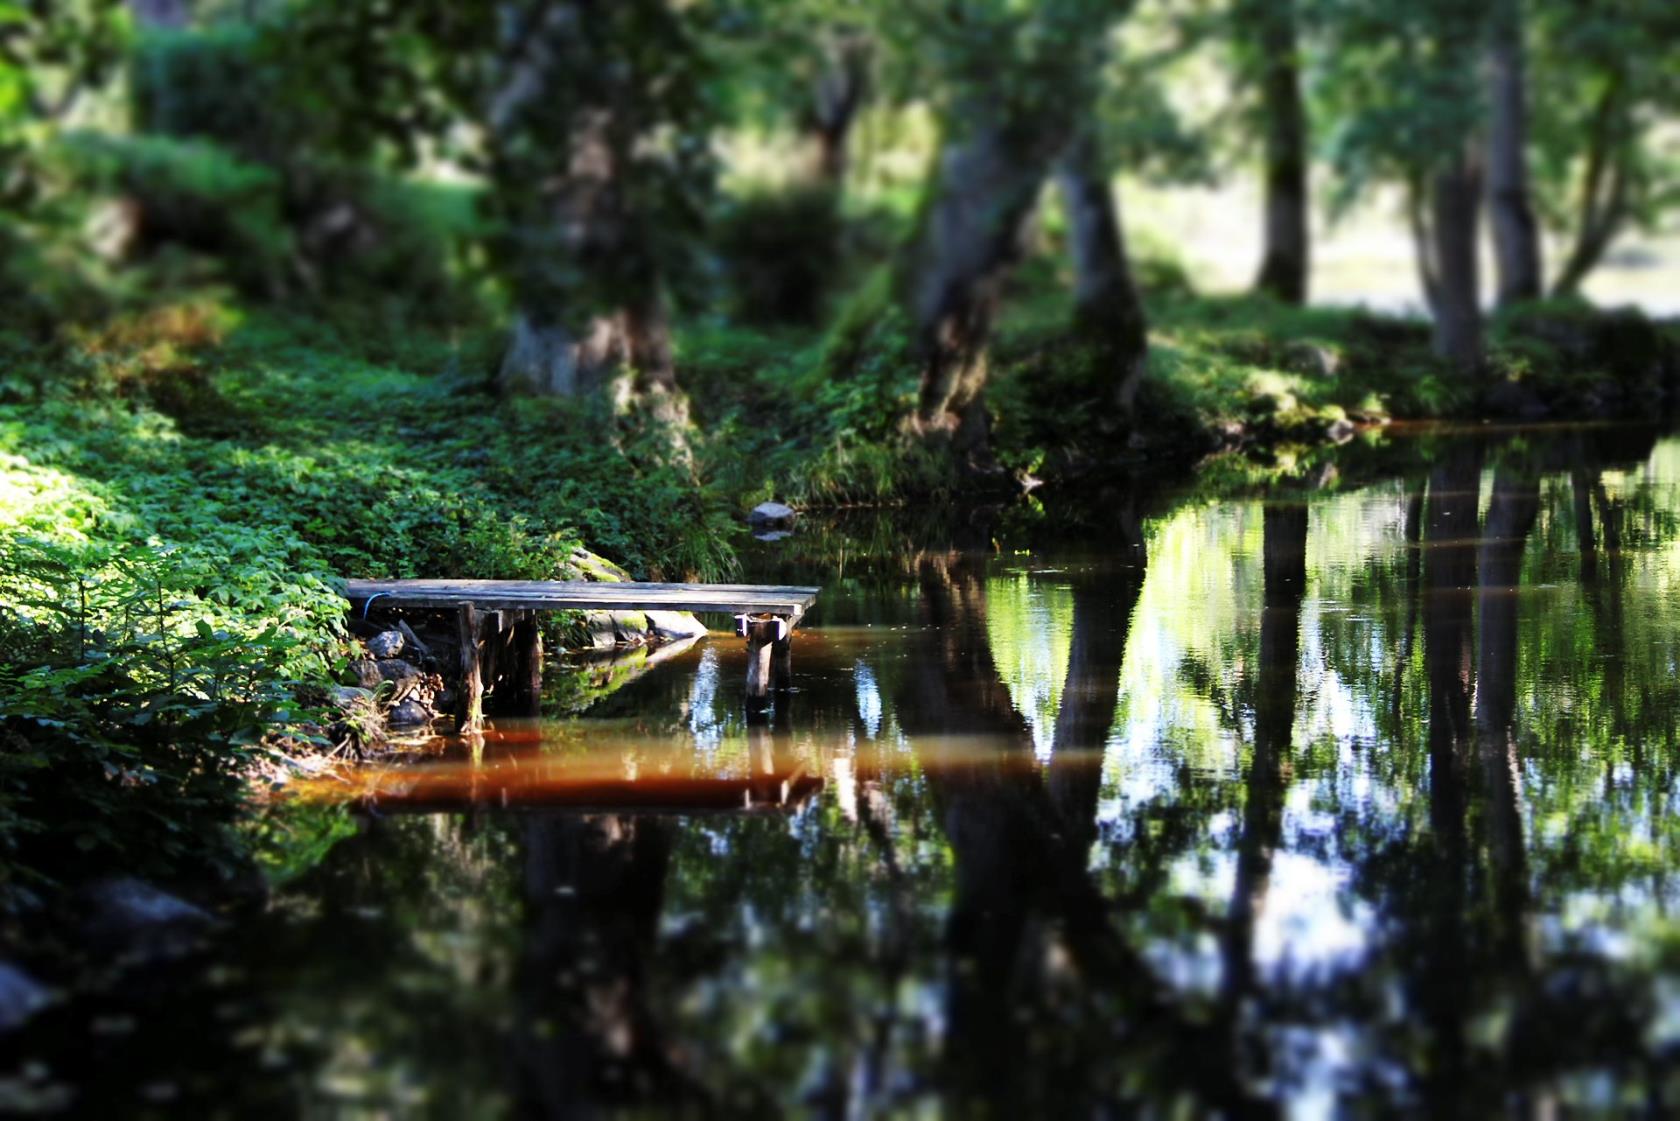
[499, 638]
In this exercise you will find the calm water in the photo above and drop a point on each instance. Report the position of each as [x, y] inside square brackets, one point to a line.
[1347, 799]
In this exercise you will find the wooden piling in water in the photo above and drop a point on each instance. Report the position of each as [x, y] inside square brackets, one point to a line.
[764, 635]
[469, 707]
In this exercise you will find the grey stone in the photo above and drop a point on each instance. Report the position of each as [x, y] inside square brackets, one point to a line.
[132, 916]
[408, 712]
[1341, 430]
[772, 535]
[674, 624]
[591, 566]
[349, 697]
[395, 669]
[602, 631]
[1313, 359]
[21, 996]
[366, 672]
[385, 644]
[771, 515]
[630, 626]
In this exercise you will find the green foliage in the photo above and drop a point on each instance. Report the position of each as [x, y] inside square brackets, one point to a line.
[148, 645]
[167, 578]
[1402, 84]
[195, 195]
[1609, 79]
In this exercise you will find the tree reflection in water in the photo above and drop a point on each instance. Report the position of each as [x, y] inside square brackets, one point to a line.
[1352, 801]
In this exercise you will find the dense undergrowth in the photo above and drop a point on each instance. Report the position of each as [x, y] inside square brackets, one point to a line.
[179, 492]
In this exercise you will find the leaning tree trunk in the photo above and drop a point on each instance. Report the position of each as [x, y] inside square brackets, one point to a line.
[1108, 312]
[1603, 206]
[1455, 195]
[1285, 256]
[986, 183]
[1516, 234]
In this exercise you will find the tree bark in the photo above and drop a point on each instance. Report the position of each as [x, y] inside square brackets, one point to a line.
[586, 285]
[1604, 184]
[1108, 312]
[1286, 254]
[987, 181]
[1455, 195]
[1516, 234]
[840, 91]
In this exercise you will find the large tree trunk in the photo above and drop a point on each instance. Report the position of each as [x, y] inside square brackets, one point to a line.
[1455, 198]
[1449, 577]
[1285, 256]
[1108, 312]
[1516, 234]
[587, 288]
[987, 181]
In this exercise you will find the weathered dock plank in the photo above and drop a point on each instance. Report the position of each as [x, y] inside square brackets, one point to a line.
[586, 595]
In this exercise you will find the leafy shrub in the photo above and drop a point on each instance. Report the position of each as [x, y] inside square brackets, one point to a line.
[136, 677]
[194, 195]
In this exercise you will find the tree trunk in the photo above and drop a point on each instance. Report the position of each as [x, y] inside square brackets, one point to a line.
[587, 1040]
[586, 285]
[839, 94]
[987, 181]
[1604, 184]
[1285, 256]
[1455, 196]
[1108, 312]
[1449, 577]
[1516, 234]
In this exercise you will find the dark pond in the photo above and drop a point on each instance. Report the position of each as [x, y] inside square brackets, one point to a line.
[1348, 797]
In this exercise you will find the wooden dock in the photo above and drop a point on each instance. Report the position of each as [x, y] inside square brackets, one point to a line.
[499, 639]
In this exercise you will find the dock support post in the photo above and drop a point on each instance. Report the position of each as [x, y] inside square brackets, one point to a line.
[469, 709]
[765, 634]
[520, 681]
[781, 663]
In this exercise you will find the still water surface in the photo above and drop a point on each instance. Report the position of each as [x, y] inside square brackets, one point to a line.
[1345, 797]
